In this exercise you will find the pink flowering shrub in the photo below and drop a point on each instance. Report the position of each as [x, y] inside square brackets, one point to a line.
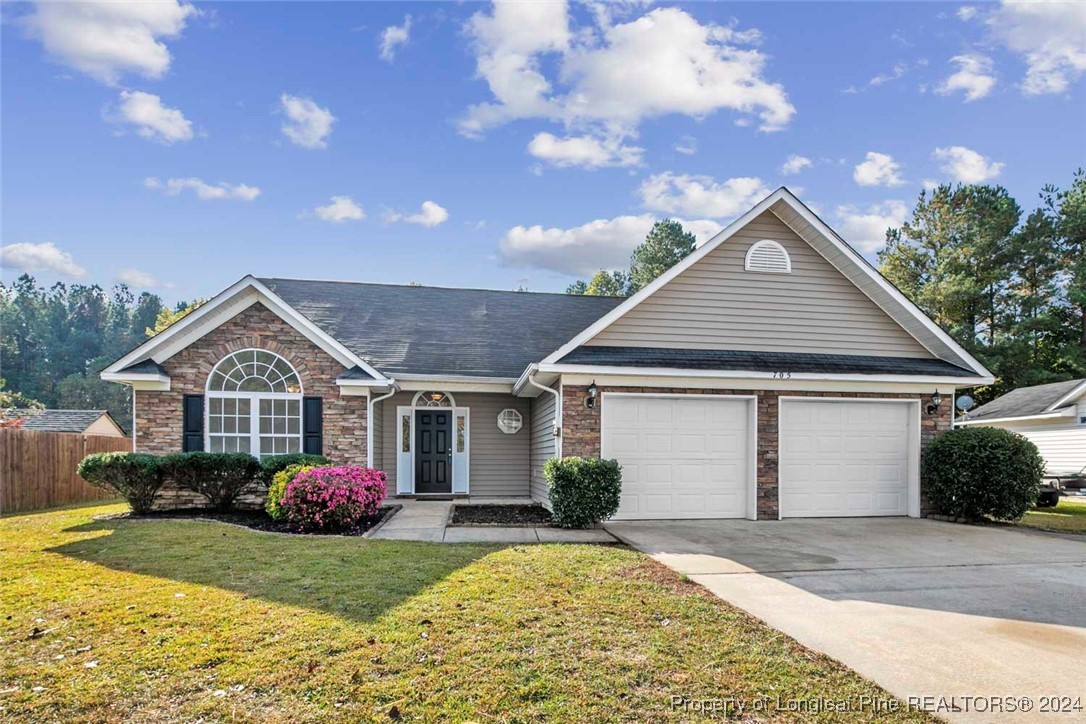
[334, 498]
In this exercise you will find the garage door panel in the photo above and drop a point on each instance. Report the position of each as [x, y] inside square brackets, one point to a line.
[844, 458]
[682, 457]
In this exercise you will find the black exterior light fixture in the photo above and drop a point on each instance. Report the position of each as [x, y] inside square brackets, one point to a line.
[593, 392]
[936, 400]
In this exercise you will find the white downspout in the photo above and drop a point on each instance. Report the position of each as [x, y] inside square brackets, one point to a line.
[370, 402]
[557, 407]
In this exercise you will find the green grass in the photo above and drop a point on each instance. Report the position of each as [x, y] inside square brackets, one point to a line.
[1069, 516]
[110, 620]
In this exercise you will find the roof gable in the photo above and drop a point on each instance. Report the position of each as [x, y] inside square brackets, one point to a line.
[1030, 401]
[65, 420]
[805, 224]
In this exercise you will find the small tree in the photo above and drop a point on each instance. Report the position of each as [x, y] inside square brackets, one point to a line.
[134, 476]
[664, 247]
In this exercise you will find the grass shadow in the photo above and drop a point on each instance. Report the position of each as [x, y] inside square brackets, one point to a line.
[350, 577]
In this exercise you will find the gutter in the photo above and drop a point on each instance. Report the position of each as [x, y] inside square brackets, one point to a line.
[370, 402]
[530, 379]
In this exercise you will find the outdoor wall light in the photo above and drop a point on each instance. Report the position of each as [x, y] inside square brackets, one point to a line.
[593, 392]
[936, 400]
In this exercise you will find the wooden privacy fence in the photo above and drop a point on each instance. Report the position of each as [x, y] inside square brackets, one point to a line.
[37, 469]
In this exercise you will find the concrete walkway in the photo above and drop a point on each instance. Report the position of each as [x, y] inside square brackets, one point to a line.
[922, 608]
[428, 520]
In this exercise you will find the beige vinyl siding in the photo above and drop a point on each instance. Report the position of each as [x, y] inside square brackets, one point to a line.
[103, 426]
[1062, 445]
[498, 464]
[544, 444]
[376, 428]
[717, 304]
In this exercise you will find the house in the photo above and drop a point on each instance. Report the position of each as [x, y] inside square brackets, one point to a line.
[87, 422]
[1052, 416]
[772, 373]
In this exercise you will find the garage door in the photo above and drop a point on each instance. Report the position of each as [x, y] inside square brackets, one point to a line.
[849, 458]
[682, 457]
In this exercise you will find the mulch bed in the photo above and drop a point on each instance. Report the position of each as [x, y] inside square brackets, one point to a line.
[501, 515]
[257, 519]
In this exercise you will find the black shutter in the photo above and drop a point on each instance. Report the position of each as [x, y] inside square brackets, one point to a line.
[192, 439]
[312, 426]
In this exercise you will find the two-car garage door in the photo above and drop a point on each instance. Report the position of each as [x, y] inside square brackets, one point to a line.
[691, 456]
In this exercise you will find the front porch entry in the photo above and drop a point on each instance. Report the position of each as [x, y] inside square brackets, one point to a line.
[432, 446]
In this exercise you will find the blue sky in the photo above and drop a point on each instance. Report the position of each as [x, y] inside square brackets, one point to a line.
[180, 147]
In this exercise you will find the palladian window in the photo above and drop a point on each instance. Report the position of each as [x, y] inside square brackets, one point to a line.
[254, 405]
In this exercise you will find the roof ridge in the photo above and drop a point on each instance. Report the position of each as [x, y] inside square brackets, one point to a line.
[429, 286]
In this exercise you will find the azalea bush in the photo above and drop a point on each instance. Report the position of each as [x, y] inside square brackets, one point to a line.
[583, 491]
[134, 476]
[278, 488]
[333, 499]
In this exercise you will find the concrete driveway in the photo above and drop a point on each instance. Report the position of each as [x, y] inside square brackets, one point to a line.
[923, 608]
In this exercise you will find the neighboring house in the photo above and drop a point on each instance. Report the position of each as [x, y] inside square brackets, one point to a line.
[1052, 416]
[88, 422]
[772, 373]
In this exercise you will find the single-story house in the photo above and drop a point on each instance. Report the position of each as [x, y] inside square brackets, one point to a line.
[772, 373]
[87, 422]
[1053, 416]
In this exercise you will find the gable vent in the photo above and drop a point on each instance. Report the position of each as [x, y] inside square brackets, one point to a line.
[768, 256]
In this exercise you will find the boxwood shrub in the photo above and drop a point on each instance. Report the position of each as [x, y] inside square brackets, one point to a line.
[136, 477]
[278, 488]
[219, 477]
[333, 499]
[272, 464]
[583, 491]
[977, 472]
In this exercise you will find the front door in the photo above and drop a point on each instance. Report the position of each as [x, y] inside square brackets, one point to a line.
[433, 451]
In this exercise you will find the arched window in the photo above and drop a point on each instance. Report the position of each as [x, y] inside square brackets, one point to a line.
[433, 398]
[768, 256]
[254, 405]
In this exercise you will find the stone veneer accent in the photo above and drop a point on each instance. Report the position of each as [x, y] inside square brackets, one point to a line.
[581, 429]
[159, 415]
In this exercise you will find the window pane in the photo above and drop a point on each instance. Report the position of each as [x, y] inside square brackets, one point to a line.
[280, 426]
[214, 424]
[216, 444]
[294, 445]
[405, 429]
[244, 424]
[255, 384]
[243, 444]
[265, 407]
[460, 426]
[230, 425]
[243, 407]
[280, 407]
[266, 446]
[294, 426]
[292, 407]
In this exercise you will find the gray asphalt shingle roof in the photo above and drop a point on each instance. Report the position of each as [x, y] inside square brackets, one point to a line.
[62, 420]
[433, 330]
[1024, 401]
[711, 359]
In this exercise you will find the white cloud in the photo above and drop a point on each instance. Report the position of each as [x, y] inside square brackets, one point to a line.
[151, 118]
[584, 151]
[930, 184]
[615, 76]
[795, 164]
[203, 190]
[1051, 36]
[430, 215]
[309, 125]
[393, 37]
[866, 229]
[966, 13]
[975, 77]
[141, 280]
[878, 169]
[40, 258]
[342, 208]
[966, 165]
[687, 145]
[701, 195]
[584, 250]
[895, 73]
[106, 39]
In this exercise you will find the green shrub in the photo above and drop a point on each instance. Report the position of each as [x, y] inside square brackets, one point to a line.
[583, 491]
[273, 464]
[137, 477]
[278, 486]
[976, 472]
[219, 477]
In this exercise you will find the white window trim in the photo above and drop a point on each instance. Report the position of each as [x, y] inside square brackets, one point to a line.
[420, 393]
[768, 244]
[519, 421]
[254, 406]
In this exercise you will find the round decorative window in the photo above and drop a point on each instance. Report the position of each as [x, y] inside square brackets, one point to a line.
[510, 421]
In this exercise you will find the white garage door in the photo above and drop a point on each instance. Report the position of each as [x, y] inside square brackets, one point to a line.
[685, 456]
[847, 458]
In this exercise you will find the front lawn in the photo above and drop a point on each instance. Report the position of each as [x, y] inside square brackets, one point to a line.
[1067, 517]
[183, 620]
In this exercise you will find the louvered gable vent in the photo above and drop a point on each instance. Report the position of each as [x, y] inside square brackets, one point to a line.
[768, 256]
